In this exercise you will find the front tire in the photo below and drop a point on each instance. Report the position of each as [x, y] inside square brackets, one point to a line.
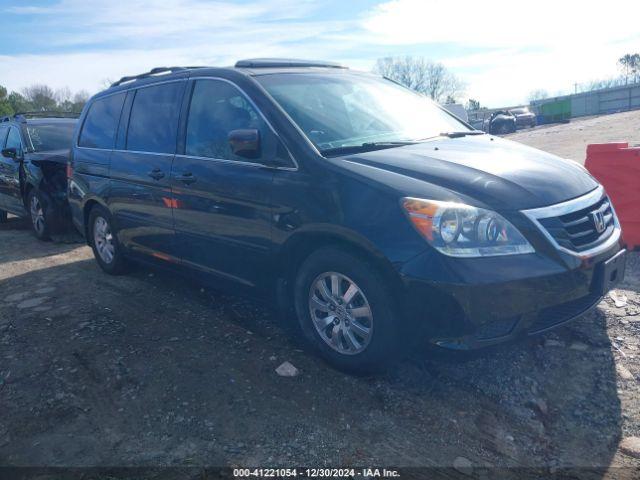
[346, 311]
[104, 242]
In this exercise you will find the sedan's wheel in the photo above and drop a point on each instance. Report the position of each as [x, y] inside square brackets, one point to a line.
[346, 310]
[104, 241]
[504, 129]
[341, 313]
[39, 213]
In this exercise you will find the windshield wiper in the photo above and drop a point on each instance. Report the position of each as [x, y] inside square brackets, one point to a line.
[364, 147]
[462, 133]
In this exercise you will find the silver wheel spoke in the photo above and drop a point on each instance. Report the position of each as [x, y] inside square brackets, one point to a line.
[352, 342]
[346, 328]
[335, 336]
[317, 304]
[323, 323]
[335, 285]
[360, 329]
[358, 312]
[324, 291]
[350, 293]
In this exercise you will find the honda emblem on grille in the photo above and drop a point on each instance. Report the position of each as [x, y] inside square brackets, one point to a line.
[598, 221]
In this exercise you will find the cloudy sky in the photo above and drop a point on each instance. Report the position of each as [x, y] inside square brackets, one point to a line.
[502, 49]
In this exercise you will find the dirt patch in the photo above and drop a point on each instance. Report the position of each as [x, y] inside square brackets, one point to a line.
[570, 140]
[147, 370]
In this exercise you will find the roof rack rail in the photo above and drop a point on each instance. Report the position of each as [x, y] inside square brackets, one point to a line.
[49, 114]
[150, 73]
[284, 62]
[22, 116]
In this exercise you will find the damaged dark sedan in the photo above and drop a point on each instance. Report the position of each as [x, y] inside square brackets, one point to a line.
[33, 182]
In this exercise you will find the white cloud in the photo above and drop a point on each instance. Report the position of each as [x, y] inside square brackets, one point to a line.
[113, 39]
[500, 23]
[544, 44]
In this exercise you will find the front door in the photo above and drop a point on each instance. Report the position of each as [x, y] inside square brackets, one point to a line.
[140, 191]
[10, 194]
[222, 202]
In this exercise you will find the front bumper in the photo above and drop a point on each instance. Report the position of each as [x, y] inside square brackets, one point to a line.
[473, 303]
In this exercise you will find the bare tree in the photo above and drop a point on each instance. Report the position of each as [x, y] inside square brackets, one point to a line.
[63, 95]
[630, 65]
[473, 105]
[421, 75]
[40, 97]
[539, 94]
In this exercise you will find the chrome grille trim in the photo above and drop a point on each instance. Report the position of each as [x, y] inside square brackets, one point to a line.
[573, 206]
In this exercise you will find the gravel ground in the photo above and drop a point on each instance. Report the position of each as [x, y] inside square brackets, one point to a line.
[152, 370]
[148, 369]
[571, 140]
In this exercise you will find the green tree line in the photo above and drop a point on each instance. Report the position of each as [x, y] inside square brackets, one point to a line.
[41, 98]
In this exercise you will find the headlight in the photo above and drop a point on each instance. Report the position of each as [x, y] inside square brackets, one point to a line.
[460, 230]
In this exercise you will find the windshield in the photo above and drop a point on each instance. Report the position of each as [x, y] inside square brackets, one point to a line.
[345, 110]
[48, 137]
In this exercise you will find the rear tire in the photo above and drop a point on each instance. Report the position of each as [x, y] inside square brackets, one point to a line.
[104, 242]
[346, 311]
[41, 214]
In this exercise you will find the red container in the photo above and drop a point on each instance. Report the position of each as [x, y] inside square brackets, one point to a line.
[617, 167]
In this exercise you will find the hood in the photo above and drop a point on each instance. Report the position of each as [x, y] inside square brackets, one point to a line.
[502, 174]
[58, 156]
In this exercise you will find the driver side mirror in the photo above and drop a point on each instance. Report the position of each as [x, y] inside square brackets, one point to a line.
[245, 143]
[11, 153]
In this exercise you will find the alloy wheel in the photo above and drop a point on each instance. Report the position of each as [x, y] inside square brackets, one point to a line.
[341, 313]
[37, 215]
[103, 240]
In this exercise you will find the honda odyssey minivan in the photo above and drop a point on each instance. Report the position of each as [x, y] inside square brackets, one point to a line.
[378, 218]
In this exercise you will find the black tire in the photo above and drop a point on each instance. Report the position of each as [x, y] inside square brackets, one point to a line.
[118, 263]
[382, 349]
[41, 214]
[3, 216]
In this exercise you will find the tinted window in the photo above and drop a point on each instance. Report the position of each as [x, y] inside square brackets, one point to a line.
[216, 109]
[99, 129]
[3, 135]
[352, 109]
[153, 123]
[55, 136]
[13, 140]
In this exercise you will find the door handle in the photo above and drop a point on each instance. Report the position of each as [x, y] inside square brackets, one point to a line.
[156, 174]
[187, 178]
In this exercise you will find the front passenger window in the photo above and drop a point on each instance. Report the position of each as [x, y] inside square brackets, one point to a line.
[216, 109]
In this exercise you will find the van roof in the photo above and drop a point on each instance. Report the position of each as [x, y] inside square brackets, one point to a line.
[253, 66]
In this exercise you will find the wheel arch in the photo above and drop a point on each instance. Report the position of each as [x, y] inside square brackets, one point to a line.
[302, 244]
[86, 211]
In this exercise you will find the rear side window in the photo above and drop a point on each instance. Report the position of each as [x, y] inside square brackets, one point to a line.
[56, 136]
[153, 125]
[100, 126]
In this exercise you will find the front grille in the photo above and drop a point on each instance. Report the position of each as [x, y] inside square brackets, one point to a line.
[550, 316]
[577, 230]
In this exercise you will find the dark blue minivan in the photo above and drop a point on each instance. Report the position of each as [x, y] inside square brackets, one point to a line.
[376, 216]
